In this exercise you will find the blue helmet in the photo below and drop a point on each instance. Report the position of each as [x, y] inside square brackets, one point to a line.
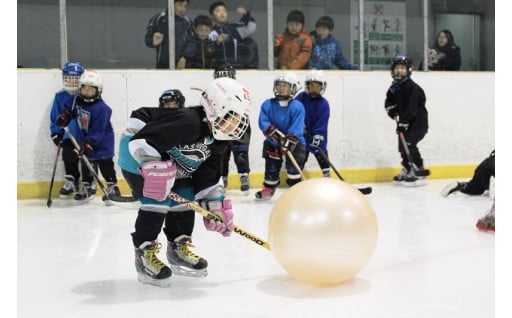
[71, 73]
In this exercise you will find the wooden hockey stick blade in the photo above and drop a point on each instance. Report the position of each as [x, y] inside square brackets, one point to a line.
[207, 214]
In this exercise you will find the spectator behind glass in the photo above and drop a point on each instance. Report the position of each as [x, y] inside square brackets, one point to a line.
[327, 52]
[229, 36]
[293, 47]
[157, 34]
[199, 50]
[445, 56]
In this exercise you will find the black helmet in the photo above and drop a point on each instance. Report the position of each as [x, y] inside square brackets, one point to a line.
[404, 60]
[172, 95]
[226, 70]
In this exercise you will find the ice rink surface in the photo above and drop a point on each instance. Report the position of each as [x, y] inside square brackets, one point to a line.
[430, 262]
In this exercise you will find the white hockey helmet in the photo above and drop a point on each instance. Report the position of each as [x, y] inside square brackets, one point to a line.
[91, 78]
[290, 78]
[227, 105]
[318, 77]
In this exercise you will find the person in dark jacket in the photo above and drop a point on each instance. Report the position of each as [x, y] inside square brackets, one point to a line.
[481, 181]
[445, 56]
[230, 37]
[180, 150]
[157, 34]
[405, 103]
[199, 50]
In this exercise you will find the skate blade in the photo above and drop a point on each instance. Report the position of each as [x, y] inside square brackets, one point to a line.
[163, 283]
[188, 272]
[411, 184]
[263, 199]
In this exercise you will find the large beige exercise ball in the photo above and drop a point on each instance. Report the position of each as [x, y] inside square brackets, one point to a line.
[323, 231]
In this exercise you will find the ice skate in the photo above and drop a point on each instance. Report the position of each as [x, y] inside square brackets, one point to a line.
[86, 193]
[112, 190]
[326, 173]
[151, 270]
[408, 179]
[486, 223]
[265, 194]
[452, 188]
[69, 188]
[244, 183]
[182, 261]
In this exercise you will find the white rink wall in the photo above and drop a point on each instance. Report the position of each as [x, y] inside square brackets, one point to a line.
[461, 109]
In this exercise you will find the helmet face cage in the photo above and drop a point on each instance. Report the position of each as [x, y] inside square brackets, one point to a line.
[318, 77]
[225, 71]
[71, 73]
[290, 78]
[227, 105]
[91, 78]
[401, 60]
[172, 95]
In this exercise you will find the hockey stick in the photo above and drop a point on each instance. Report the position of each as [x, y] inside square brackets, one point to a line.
[295, 164]
[425, 172]
[89, 166]
[207, 214]
[366, 190]
[49, 200]
[120, 198]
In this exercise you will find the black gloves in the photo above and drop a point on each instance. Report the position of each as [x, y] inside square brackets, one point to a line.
[56, 138]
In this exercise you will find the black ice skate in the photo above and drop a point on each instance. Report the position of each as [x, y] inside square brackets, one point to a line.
[182, 261]
[244, 183]
[150, 270]
[69, 188]
[87, 192]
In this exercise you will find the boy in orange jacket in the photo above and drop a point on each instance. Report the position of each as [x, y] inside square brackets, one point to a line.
[293, 47]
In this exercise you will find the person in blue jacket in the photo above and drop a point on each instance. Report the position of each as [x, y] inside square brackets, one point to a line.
[317, 118]
[327, 52]
[71, 73]
[95, 134]
[281, 120]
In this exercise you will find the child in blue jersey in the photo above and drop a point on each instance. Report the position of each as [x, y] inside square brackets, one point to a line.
[317, 118]
[95, 134]
[281, 120]
[71, 73]
[327, 52]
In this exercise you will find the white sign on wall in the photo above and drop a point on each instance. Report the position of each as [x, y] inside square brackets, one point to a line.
[384, 32]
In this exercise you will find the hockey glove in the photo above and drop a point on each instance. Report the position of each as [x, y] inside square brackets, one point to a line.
[56, 138]
[317, 141]
[392, 111]
[159, 177]
[273, 133]
[288, 143]
[401, 127]
[221, 207]
[64, 119]
[86, 149]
